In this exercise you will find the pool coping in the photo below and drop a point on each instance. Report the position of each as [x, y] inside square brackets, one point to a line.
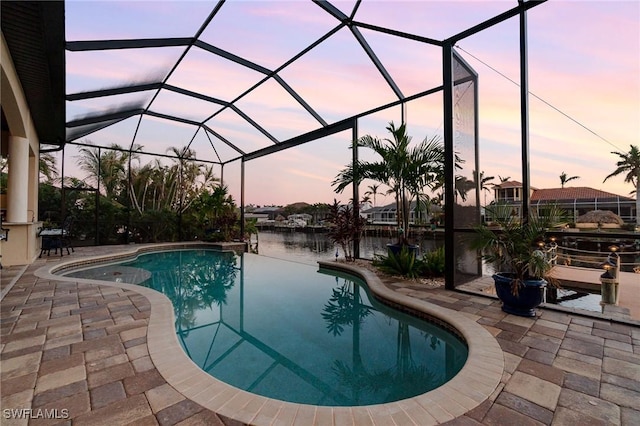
[478, 379]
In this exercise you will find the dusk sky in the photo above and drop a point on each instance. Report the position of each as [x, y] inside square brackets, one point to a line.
[584, 76]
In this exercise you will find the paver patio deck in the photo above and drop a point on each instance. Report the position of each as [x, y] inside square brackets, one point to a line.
[82, 349]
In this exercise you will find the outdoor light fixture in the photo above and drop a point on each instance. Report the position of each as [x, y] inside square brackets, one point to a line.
[607, 270]
[609, 279]
[613, 257]
[548, 250]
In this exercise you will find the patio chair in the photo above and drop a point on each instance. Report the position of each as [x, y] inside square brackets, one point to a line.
[59, 238]
[65, 238]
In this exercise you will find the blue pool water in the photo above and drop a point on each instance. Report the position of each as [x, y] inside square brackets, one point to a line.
[287, 331]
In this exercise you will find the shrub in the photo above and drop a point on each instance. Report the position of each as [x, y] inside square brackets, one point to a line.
[344, 227]
[403, 263]
[433, 263]
[628, 227]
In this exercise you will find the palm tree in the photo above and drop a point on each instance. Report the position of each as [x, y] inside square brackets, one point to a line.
[141, 181]
[89, 161]
[504, 179]
[186, 172]
[484, 183]
[47, 167]
[564, 179]
[319, 212]
[437, 181]
[107, 167]
[192, 178]
[218, 209]
[630, 164]
[463, 186]
[251, 228]
[373, 190]
[407, 171]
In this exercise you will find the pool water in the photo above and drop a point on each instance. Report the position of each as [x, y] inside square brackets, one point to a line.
[287, 331]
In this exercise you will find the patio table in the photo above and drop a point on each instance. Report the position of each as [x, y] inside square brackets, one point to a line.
[51, 239]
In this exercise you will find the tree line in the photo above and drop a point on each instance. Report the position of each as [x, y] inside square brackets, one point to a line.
[138, 202]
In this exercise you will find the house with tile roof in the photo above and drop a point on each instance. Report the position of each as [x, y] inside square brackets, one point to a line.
[575, 200]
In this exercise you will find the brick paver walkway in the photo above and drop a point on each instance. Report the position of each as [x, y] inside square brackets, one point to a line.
[81, 350]
[561, 369]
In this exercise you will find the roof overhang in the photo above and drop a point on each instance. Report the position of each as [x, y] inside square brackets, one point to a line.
[35, 35]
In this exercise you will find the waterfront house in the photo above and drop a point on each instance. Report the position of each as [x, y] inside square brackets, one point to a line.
[575, 200]
[272, 212]
[387, 215]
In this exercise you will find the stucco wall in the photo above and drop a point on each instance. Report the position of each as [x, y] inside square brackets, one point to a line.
[23, 244]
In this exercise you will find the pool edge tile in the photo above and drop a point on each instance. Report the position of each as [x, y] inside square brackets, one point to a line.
[343, 416]
[237, 405]
[433, 408]
[267, 412]
[285, 415]
[417, 413]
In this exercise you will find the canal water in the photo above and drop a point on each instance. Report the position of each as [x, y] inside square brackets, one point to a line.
[309, 248]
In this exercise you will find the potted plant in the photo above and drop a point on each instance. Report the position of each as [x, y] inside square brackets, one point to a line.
[516, 248]
[406, 169]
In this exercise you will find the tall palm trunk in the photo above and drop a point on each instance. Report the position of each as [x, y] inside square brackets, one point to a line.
[638, 201]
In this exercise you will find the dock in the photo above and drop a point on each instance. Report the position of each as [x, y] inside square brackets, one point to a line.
[586, 279]
[589, 279]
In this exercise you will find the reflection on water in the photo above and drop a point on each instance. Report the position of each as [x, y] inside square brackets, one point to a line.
[309, 248]
[287, 331]
[573, 298]
[406, 377]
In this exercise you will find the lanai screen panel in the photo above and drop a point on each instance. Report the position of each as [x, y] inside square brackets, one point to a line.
[227, 79]
[466, 211]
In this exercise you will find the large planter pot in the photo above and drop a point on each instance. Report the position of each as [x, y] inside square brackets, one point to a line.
[397, 248]
[530, 295]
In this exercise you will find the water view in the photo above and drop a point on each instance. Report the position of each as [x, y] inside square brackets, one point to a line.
[309, 247]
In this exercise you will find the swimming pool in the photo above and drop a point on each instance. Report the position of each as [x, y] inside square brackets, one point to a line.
[286, 331]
